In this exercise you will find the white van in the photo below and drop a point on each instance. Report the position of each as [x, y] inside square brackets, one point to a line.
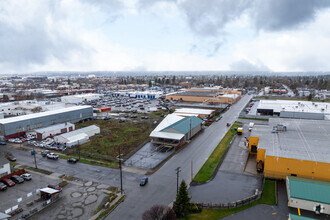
[251, 126]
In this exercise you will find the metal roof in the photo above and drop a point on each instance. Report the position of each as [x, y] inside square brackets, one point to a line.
[49, 190]
[183, 126]
[303, 140]
[299, 217]
[42, 114]
[166, 135]
[309, 189]
[194, 111]
[167, 121]
[54, 127]
[79, 131]
[295, 106]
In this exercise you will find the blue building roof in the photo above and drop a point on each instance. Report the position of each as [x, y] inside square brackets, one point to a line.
[183, 126]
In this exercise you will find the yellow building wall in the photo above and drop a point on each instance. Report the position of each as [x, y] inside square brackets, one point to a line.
[280, 167]
[253, 141]
[261, 155]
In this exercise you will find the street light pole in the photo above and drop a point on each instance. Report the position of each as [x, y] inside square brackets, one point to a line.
[178, 170]
[121, 175]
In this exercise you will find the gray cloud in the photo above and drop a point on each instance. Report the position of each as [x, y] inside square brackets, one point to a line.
[284, 14]
[210, 18]
[244, 65]
[33, 41]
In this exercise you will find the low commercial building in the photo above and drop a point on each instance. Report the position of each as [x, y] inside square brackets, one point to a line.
[53, 130]
[206, 95]
[308, 194]
[292, 147]
[18, 126]
[4, 166]
[147, 94]
[201, 113]
[77, 137]
[175, 130]
[294, 109]
[74, 99]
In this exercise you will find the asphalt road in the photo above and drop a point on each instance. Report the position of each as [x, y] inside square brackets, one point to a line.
[161, 188]
[80, 170]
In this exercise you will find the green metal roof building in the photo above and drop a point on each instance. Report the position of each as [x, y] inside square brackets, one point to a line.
[308, 194]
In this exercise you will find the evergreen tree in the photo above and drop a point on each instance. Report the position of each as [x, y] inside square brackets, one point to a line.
[182, 202]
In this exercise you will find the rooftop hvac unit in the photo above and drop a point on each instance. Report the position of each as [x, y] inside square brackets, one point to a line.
[296, 106]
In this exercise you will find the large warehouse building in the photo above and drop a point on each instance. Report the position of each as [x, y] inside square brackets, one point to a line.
[18, 126]
[293, 147]
[175, 130]
[74, 99]
[294, 109]
[206, 95]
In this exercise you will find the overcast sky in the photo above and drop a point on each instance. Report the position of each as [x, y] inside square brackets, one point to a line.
[156, 35]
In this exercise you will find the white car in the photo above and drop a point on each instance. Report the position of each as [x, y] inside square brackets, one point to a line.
[52, 156]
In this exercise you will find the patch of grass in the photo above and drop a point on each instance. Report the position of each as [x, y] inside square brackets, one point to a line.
[258, 119]
[14, 164]
[47, 172]
[268, 197]
[127, 135]
[90, 161]
[208, 123]
[205, 173]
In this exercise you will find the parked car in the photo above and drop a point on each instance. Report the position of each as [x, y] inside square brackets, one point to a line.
[210, 120]
[72, 160]
[3, 143]
[55, 186]
[44, 153]
[218, 119]
[144, 181]
[52, 156]
[11, 157]
[2, 186]
[8, 182]
[26, 176]
[17, 179]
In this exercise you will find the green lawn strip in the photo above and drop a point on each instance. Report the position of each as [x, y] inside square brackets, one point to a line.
[258, 119]
[205, 173]
[268, 197]
[110, 209]
[90, 161]
[47, 172]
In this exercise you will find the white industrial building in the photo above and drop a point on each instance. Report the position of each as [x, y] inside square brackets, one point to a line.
[4, 166]
[53, 130]
[294, 109]
[77, 137]
[201, 113]
[75, 99]
[148, 94]
[175, 130]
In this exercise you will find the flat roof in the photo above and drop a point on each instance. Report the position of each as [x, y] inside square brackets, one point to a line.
[308, 189]
[303, 139]
[194, 111]
[195, 93]
[42, 114]
[295, 106]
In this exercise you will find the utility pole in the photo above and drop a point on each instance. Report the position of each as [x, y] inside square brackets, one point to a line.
[79, 149]
[35, 160]
[178, 170]
[192, 171]
[119, 158]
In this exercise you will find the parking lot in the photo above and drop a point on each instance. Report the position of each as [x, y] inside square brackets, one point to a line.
[78, 198]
